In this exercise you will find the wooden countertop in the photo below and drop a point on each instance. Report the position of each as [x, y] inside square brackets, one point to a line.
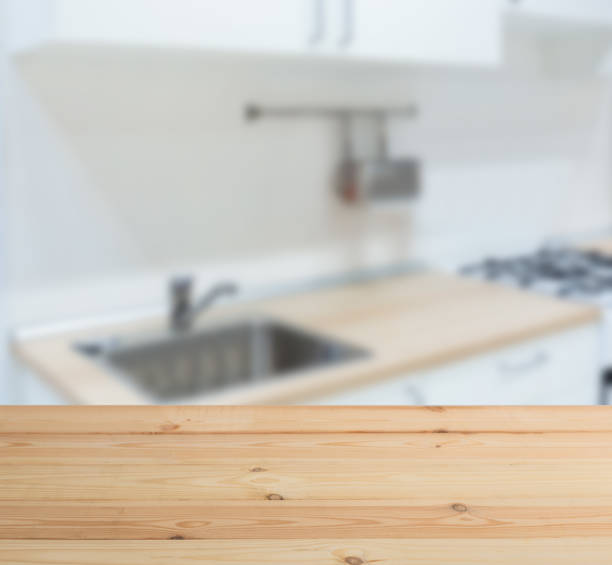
[305, 485]
[603, 245]
[407, 323]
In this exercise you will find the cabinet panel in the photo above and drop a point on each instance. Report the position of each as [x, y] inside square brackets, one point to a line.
[560, 369]
[577, 11]
[36, 391]
[238, 24]
[437, 31]
[266, 25]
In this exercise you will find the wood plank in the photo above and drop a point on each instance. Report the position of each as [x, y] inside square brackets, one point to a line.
[560, 551]
[497, 496]
[105, 449]
[517, 519]
[301, 419]
[302, 479]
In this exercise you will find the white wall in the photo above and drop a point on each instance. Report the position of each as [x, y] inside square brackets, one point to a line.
[141, 162]
[125, 166]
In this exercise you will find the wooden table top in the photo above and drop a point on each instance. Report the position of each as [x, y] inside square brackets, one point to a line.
[306, 485]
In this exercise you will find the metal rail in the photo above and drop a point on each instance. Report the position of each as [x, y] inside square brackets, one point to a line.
[254, 112]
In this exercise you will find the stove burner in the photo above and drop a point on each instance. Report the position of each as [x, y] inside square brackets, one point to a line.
[585, 275]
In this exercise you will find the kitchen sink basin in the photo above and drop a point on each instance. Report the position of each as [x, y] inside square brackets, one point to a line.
[172, 366]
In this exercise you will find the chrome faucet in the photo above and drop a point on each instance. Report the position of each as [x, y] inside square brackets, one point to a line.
[183, 311]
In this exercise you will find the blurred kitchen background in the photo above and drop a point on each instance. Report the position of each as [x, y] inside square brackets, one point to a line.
[305, 201]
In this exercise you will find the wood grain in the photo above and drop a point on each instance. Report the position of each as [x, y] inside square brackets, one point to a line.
[521, 518]
[102, 449]
[159, 420]
[386, 479]
[379, 486]
[565, 550]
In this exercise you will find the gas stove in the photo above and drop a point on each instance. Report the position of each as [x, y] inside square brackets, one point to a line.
[570, 274]
[584, 276]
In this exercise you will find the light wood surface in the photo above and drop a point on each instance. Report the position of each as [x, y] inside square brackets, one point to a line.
[407, 323]
[305, 485]
[559, 551]
[602, 245]
[186, 420]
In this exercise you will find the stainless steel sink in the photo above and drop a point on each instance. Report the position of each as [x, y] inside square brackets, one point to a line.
[179, 365]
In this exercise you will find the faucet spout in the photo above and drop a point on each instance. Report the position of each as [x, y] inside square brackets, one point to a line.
[183, 311]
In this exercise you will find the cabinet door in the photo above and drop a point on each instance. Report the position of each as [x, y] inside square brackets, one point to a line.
[436, 31]
[549, 370]
[36, 391]
[576, 11]
[563, 368]
[439, 31]
[267, 25]
[398, 392]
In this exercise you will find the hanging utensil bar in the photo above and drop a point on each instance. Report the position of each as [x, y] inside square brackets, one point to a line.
[255, 111]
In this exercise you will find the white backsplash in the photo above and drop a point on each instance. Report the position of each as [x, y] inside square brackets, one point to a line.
[126, 167]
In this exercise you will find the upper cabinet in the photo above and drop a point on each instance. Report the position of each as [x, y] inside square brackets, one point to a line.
[220, 24]
[597, 12]
[264, 25]
[443, 32]
[431, 31]
[571, 37]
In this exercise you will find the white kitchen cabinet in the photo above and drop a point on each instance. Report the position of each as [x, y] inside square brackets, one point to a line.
[264, 25]
[435, 31]
[570, 37]
[30, 388]
[563, 368]
[36, 391]
[570, 11]
[429, 31]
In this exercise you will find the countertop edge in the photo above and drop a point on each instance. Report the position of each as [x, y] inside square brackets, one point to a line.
[302, 419]
[55, 361]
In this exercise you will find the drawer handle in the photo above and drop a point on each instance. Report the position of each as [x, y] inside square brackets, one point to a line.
[537, 360]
